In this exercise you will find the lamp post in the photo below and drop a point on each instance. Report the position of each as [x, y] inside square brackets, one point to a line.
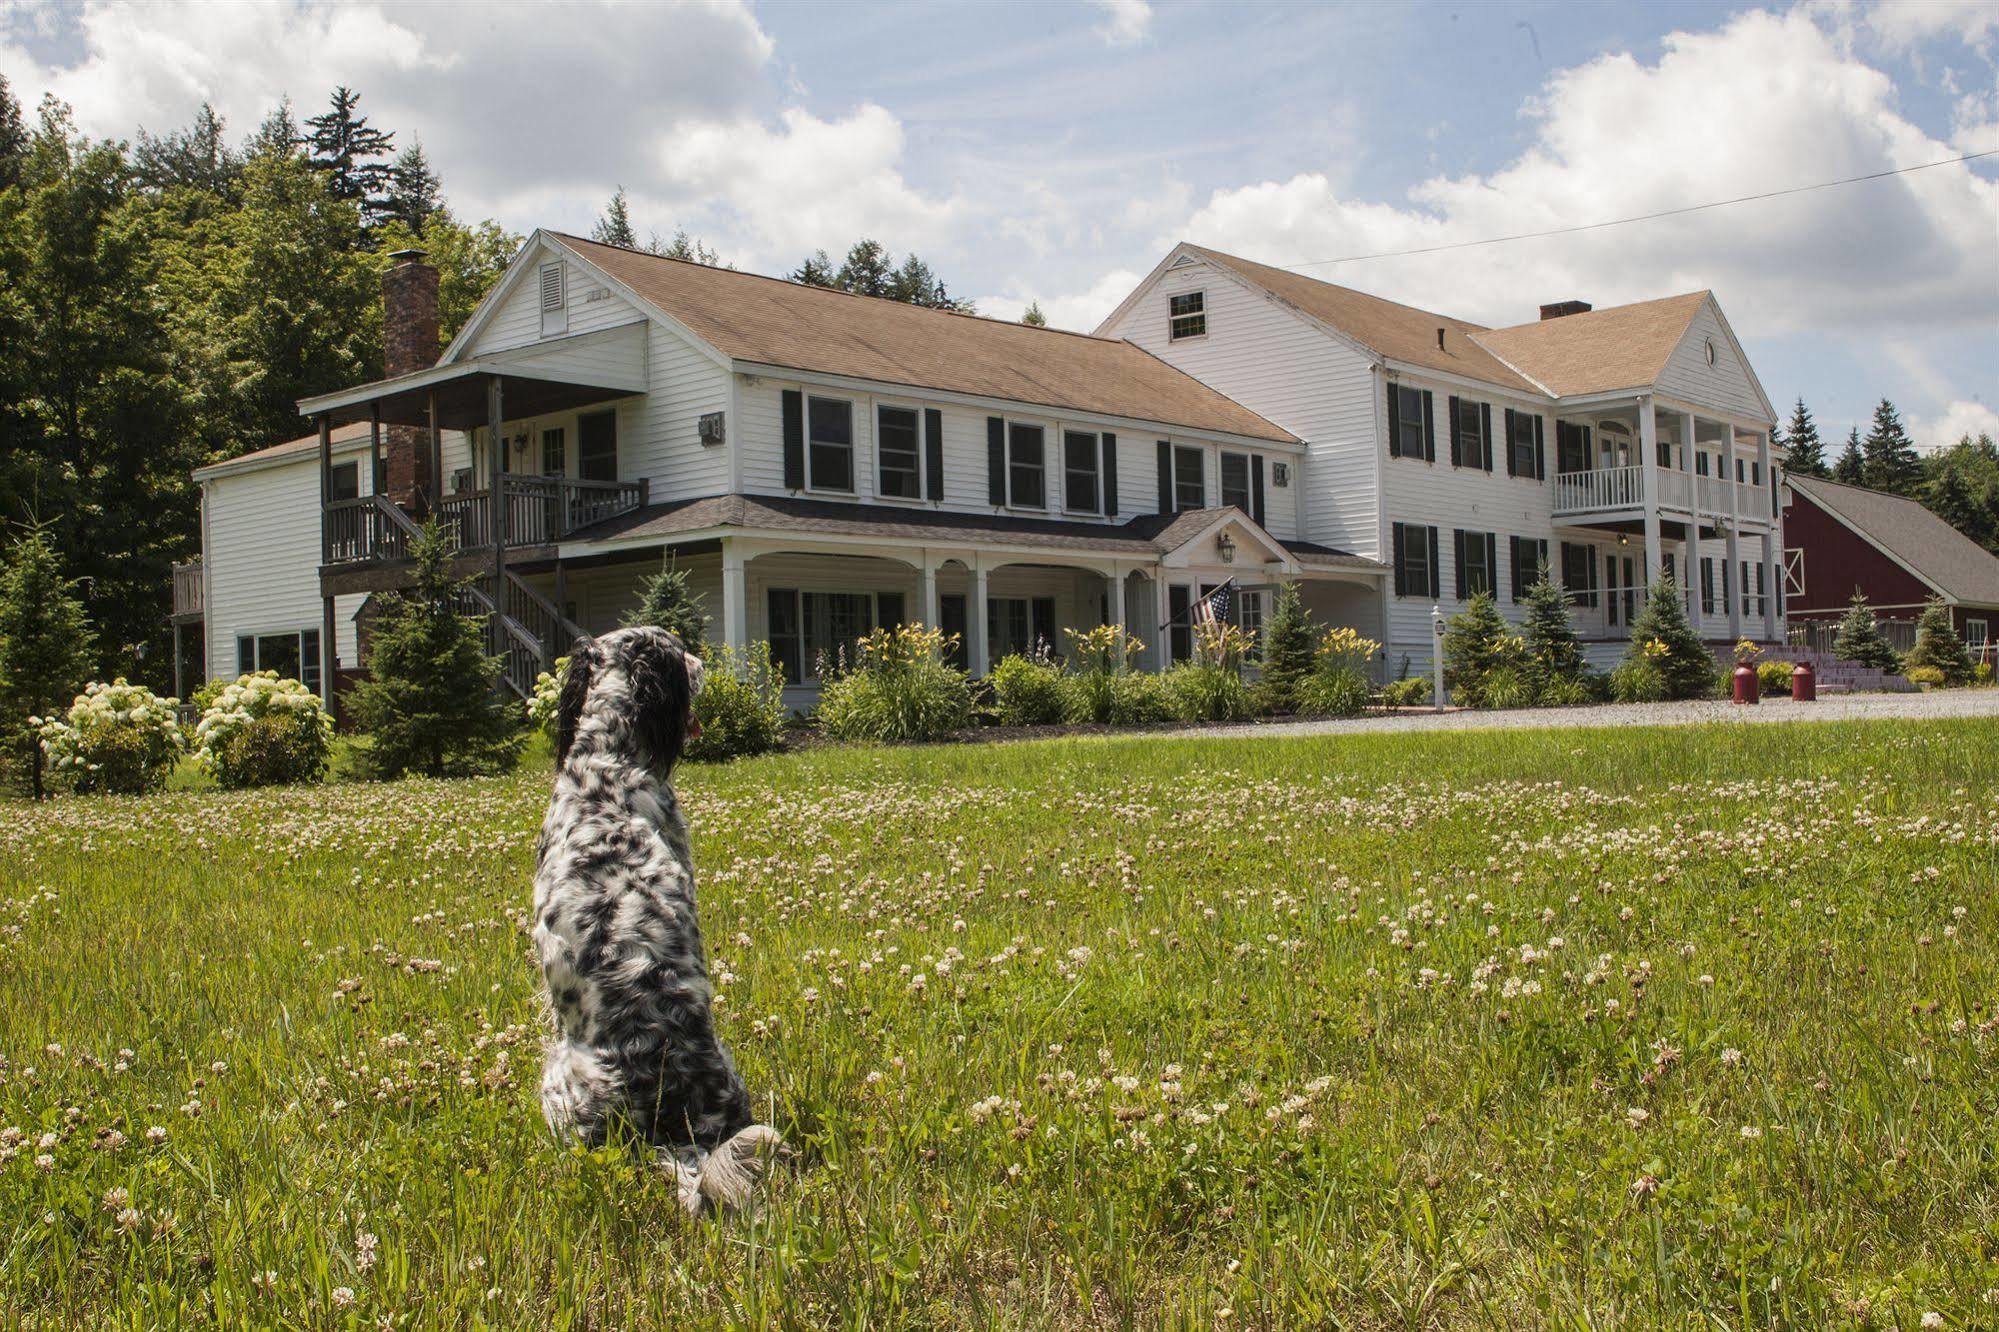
[1437, 653]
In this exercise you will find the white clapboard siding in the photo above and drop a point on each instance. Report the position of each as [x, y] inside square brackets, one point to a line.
[1726, 385]
[590, 306]
[1290, 371]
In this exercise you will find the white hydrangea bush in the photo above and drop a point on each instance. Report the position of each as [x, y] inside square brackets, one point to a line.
[264, 730]
[118, 737]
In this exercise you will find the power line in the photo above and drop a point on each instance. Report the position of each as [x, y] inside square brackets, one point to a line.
[1646, 217]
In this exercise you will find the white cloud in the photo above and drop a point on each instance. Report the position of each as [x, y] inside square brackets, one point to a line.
[1764, 102]
[1958, 419]
[1126, 22]
[1079, 311]
[518, 106]
[1904, 24]
[787, 188]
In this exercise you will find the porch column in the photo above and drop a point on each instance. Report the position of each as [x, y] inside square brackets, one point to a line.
[329, 660]
[926, 581]
[180, 685]
[1117, 598]
[735, 597]
[1732, 578]
[374, 450]
[325, 488]
[497, 500]
[1163, 652]
[1772, 574]
[1690, 570]
[1648, 475]
[975, 627]
[436, 444]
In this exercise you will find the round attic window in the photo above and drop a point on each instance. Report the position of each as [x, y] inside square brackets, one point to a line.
[1710, 351]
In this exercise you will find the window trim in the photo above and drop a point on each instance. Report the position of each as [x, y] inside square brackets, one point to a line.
[1431, 560]
[311, 662]
[921, 497]
[1199, 294]
[1096, 438]
[1201, 453]
[352, 465]
[852, 488]
[1021, 422]
[1248, 505]
[1405, 419]
[581, 417]
[561, 440]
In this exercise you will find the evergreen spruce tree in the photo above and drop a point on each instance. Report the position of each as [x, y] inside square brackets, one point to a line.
[816, 271]
[1554, 651]
[1891, 462]
[278, 134]
[345, 147]
[868, 270]
[1938, 647]
[1287, 650]
[1474, 639]
[1801, 437]
[414, 190]
[615, 226]
[1852, 465]
[666, 601]
[1859, 639]
[1034, 318]
[1686, 665]
[690, 248]
[45, 646]
[430, 701]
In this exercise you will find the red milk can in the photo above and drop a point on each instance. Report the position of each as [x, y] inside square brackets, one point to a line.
[1804, 683]
[1747, 687]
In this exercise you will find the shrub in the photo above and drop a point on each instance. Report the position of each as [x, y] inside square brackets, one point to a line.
[667, 602]
[119, 738]
[45, 646]
[1287, 652]
[1638, 680]
[1104, 688]
[1938, 647]
[1662, 635]
[430, 700]
[1566, 691]
[741, 707]
[1028, 692]
[264, 731]
[1412, 691]
[1981, 674]
[1510, 687]
[1554, 652]
[1774, 677]
[900, 688]
[1930, 677]
[1202, 691]
[1474, 642]
[1137, 697]
[1860, 639]
[1333, 693]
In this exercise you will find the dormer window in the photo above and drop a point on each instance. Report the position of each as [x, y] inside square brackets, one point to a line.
[1187, 315]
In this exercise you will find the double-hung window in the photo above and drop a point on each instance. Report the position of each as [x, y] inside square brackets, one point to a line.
[1186, 315]
[597, 446]
[1190, 479]
[1416, 561]
[1529, 555]
[294, 655]
[1235, 481]
[899, 448]
[1026, 466]
[1082, 471]
[1409, 423]
[1471, 434]
[1477, 553]
[554, 451]
[1523, 444]
[344, 481]
[1579, 573]
[829, 444]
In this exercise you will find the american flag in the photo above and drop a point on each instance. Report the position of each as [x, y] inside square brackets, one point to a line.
[1214, 608]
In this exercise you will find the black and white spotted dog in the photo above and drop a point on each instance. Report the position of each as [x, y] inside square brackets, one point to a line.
[633, 1037]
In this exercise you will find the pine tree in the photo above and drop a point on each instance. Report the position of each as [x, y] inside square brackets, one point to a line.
[1287, 650]
[690, 248]
[816, 271]
[1686, 665]
[278, 135]
[1034, 318]
[667, 602]
[867, 271]
[1554, 651]
[45, 645]
[415, 193]
[1938, 647]
[1852, 465]
[1859, 639]
[429, 702]
[1801, 437]
[914, 284]
[615, 226]
[1473, 641]
[1891, 462]
[345, 147]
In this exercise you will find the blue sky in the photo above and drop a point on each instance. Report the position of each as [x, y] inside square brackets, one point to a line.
[1052, 151]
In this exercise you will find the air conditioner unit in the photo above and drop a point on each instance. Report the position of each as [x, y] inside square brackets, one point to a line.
[713, 428]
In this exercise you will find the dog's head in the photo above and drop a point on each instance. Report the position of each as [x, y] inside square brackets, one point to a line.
[639, 684]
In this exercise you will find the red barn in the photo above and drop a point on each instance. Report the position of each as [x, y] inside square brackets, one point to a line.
[1842, 539]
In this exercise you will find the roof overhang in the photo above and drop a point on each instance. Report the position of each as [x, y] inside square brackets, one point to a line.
[460, 391]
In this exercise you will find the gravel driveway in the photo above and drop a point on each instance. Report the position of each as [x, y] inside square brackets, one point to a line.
[1842, 707]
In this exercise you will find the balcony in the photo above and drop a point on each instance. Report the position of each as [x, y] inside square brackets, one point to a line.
[187, 591]
[1619, 493]
[535, 511]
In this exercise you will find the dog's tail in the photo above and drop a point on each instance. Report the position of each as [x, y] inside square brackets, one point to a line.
[723, 1179]
[580, 1092]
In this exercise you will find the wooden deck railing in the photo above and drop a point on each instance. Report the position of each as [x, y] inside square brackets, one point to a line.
[1604, 488]
[1607, 488]
[538, 510]
[187, 589]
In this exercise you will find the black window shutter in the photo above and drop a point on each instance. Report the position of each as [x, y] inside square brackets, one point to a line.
[933, 450]
[1436, 574]
[1394, 426]
[1429, 431]
[1540, 452]
[1451, 424]
[1165, 477]
[1256, 487]
[1401, 575]
[1458, 539]
[996, 461]
[1510, 470]
[1492, 564]
[1110, 475]
[794, 440]
[1485, 435]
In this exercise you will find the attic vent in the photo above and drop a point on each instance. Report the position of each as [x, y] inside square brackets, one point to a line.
[552, 295]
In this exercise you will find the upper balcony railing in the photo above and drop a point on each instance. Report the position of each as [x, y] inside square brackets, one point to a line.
[1606, 489]
[536, 510]
[187, 589]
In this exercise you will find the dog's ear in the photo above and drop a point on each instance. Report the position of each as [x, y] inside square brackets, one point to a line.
[661, 696]
[583, 660]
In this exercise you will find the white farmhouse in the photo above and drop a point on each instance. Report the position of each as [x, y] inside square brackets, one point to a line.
[824, 463]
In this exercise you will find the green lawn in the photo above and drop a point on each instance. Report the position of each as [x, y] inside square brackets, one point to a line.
[1557, 1029]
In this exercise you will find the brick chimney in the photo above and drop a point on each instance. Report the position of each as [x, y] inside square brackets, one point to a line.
[1560, 308]
[409, 344]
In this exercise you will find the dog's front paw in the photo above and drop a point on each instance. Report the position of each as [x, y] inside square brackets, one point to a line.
[729, 1174]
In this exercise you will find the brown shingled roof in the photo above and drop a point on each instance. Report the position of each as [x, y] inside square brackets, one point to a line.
[1399, 332]
[303, 446]
[1621, 347]
[769, 321]
[1940, 554]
